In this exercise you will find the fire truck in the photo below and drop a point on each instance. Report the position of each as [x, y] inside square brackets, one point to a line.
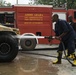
[31, 20]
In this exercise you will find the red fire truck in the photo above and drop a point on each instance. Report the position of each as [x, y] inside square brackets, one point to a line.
[33, 20]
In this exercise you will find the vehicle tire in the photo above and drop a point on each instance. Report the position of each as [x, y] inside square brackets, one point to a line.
[8, 48]
[28, 44]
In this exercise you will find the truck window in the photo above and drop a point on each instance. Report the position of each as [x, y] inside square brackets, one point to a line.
[7, 19]
[2, 18]
[74, 14]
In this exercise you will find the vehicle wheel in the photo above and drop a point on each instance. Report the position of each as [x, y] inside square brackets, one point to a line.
[28, 44]
[8, 48]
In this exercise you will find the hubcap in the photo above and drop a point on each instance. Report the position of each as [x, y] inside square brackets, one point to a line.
[4, 48]
[28, 43]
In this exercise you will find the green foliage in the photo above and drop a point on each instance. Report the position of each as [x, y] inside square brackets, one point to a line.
[45, 2]
[8, 4]
[3, 3]
[68, 4]
[71, 4]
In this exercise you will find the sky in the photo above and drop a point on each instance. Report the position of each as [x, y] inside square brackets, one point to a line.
[19, 1]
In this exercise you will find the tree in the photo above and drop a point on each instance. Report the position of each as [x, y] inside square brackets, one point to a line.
[71, 4]
[68, 4]
[8, 4]
[43, 2]
[3, 3]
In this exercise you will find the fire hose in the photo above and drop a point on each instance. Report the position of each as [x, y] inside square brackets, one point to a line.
[66, 55]
[49, 39]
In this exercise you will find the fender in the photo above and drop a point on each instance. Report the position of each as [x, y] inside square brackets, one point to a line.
[32, 35]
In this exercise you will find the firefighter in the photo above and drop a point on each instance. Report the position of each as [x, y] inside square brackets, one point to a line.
[64, 33]
[71, 22]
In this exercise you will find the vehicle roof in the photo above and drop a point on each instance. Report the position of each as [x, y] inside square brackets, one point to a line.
[23, 5]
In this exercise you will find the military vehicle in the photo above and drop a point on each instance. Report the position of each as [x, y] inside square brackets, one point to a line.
[8, 43]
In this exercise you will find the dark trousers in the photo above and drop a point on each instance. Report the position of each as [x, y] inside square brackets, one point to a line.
[68, 44]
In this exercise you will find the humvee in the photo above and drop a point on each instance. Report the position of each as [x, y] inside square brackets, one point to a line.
[8, 43]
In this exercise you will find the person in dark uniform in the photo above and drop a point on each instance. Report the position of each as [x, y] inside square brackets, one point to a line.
[66, 34]
[71, 22]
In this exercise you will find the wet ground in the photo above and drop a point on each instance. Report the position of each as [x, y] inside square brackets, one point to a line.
[31, 64]
[26, 65]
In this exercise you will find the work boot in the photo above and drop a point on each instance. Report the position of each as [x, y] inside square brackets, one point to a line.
[74, 62]
[72, 56]
[58, 60]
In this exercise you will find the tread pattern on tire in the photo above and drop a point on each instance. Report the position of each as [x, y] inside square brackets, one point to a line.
[13, 50]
